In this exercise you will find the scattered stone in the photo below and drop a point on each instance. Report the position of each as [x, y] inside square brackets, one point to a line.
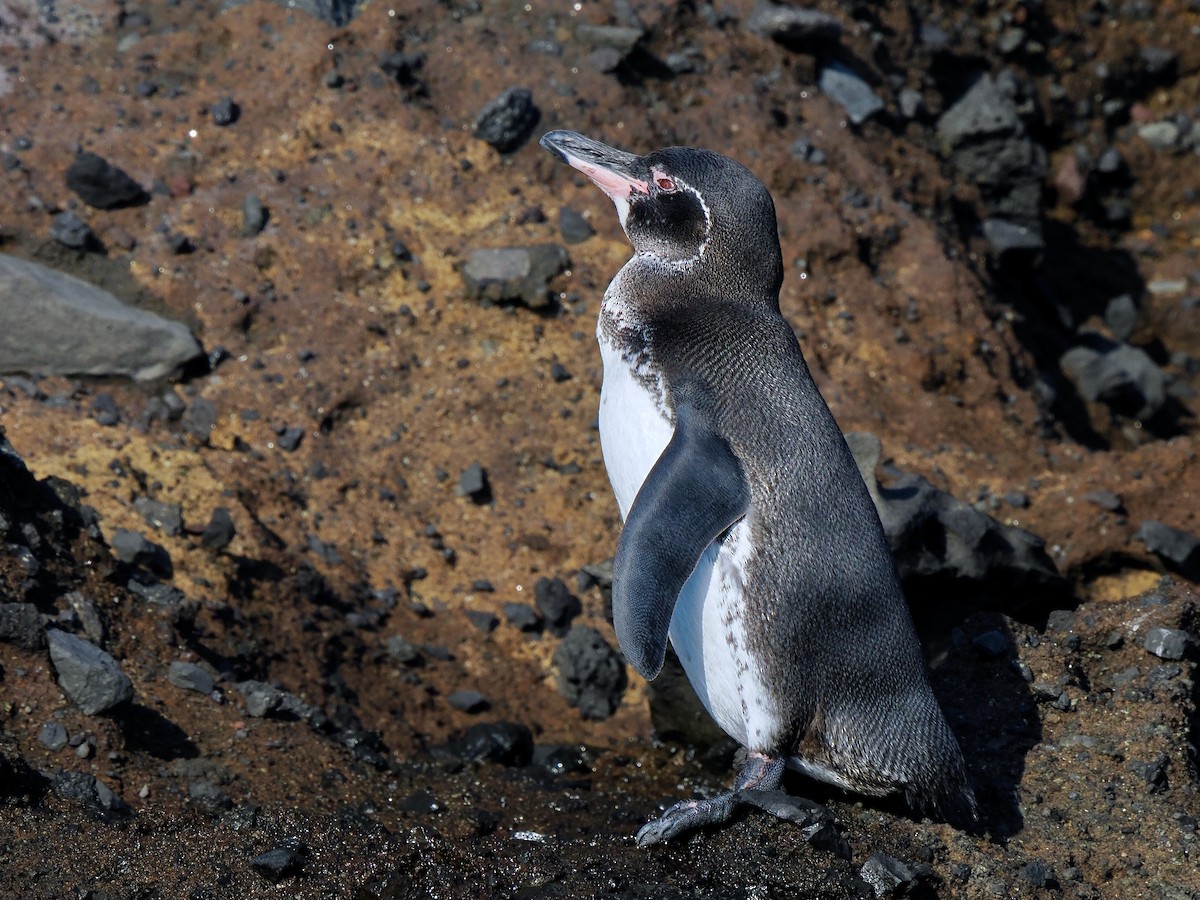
[474, 483]
[573, 227]
[71, 231]
[208, 796]
[991, 643]
[289, 439]
[514, 273]
[911, 103]
[225, 112]
[102, 185]
[278, 864]
[468, 701]
[200, 418]
[53, 324]
[1121, 376]
[848, 89]
[338, 13]
[1106, 500]
[166, 517]
[190, 677]
[403, 652]
[983, 135]
[506, 743]
[137, 550]
[1006, 237]
[105, 410]
[403, 68]
[507, 121]
[1178, 549]
[483, 620]
[933, 534]
[91, 793]
[21, 624]
[522, 616]
[53, 736]
[599, 574]
[591, 674]
[254, 215]
[85, 610]
[164, 595]
[557, 604]
[886, 875]
[220, 530]
[1035, 873]
[1120, 315]
[1162, 135]
[1166, 643]
[795, 28]
[87, 675]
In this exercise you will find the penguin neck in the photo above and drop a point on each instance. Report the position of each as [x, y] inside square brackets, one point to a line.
[649, 285]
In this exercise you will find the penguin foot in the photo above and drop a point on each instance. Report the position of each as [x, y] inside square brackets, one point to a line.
[761, 773]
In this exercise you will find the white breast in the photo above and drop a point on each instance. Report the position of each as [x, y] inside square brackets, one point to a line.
[706, 628]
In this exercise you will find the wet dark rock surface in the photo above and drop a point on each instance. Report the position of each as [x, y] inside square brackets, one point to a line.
[349, 558]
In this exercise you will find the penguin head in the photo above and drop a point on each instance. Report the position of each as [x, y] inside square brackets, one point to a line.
[685, 209]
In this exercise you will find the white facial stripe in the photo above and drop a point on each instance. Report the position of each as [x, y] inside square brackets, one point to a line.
[680, 184]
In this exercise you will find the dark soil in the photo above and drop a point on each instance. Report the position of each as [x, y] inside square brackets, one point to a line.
[353, 381]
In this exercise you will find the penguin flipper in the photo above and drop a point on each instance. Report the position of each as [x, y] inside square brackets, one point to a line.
[694, 493]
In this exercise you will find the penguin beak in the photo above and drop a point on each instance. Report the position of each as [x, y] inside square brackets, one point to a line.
[613, 171]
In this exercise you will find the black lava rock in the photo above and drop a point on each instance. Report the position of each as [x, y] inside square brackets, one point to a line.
[591, 674]
[290, 438]
[225, 112]
[468, 701]
[573, 227]
[1166, 643]
[21, 624]
[483, 620]
[278, 864]
[102, 185]
[507, 121]
[506, 743]
[1178, 549]
[166, 517]
[87, 675]
[94, 795]
[848, 89]
[220, 530]
[474, 483]
[135, 549]
[53, 736]
[190, 677]
[522, 616]
[1121, 376]
[933, 534]
[71, 231]
[557, 604]
[200, 418]
[886, 875]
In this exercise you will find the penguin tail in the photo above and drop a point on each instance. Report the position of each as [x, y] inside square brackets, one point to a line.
[946, 792]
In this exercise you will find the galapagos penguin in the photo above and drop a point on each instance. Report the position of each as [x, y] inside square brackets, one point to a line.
[749, 539]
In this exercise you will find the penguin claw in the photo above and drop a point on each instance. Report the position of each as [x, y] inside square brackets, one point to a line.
[685, 816]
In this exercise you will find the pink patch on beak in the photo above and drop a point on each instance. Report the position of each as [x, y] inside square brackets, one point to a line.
[618, 187]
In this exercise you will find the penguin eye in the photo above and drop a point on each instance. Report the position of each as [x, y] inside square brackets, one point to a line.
[665, 184]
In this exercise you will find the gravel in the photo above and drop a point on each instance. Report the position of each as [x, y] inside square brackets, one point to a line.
[93, 794]
[254, 215]
[573, 227]
[1178, 549]
[557, 604]
[473, 483]
[277, 864]
[795, 28]
[136, 549]
[1121, 376]
[21, 624]
[166, 517]
[225, 112]
[87, 675]
[1166, 643]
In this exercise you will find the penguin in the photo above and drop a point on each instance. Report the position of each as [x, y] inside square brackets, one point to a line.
[749, 540]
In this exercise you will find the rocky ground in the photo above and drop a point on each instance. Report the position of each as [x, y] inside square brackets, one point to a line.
[303, 543]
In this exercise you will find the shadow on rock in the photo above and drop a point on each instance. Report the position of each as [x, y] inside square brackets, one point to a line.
[150, 732]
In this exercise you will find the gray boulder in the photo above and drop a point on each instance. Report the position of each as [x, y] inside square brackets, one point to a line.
[87, 675]
[53, 324]
[1121, 376]
[514, 273]
[934, 535]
